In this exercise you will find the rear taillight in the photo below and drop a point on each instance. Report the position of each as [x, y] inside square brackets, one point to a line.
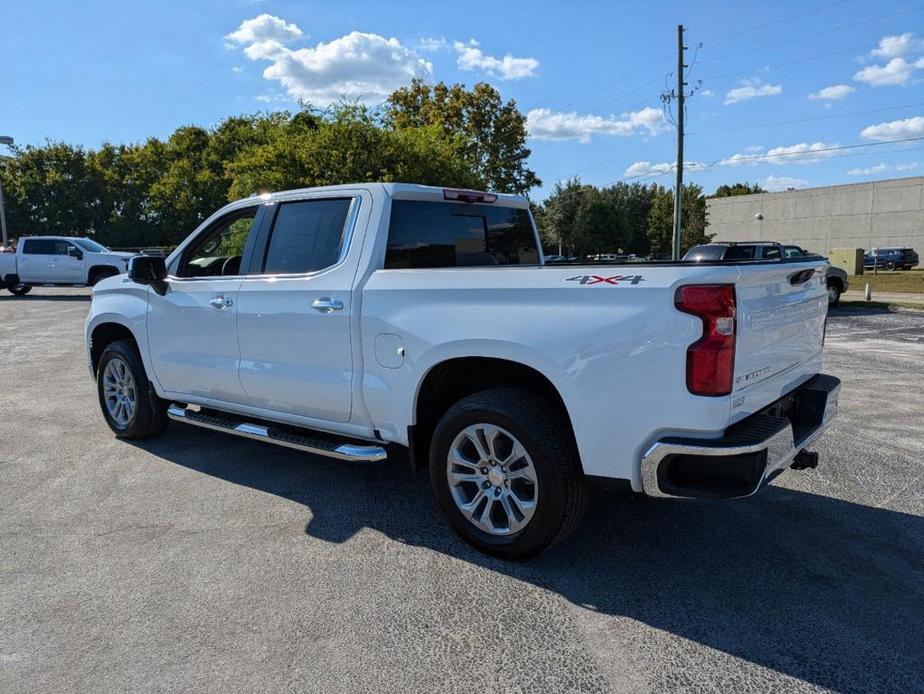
[711, 359]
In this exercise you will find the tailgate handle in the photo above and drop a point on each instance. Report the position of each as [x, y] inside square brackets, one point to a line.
[801, 277]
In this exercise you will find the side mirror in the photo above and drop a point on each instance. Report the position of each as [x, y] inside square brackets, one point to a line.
[75, 253]
[149, 269]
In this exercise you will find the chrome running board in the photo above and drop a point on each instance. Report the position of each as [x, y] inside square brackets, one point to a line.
[301, 440]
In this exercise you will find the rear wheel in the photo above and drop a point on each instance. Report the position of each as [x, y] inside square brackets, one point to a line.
[20, 289]
[506, 474]
[131, 408]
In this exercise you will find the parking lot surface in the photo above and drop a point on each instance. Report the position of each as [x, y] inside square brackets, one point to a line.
[200, 562]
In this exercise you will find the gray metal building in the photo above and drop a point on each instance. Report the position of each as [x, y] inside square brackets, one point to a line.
[859, 215]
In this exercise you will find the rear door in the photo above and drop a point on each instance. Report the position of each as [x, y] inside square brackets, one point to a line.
[781, 311]
[34, 263]
[295, 311]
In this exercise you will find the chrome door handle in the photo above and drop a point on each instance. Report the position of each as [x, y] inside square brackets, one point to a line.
[220, 302]
[326, 304]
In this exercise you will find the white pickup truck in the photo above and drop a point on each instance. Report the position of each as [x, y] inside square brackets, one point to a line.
[361, 320]
[58, 260]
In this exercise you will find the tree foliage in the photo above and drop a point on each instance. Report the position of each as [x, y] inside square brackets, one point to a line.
[727, 191]
[634, 218]
[156, 192]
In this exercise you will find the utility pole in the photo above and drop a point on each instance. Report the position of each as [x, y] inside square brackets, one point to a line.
[8, 141]
[678, 184]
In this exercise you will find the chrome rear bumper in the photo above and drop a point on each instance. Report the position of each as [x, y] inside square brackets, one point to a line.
[749, 454]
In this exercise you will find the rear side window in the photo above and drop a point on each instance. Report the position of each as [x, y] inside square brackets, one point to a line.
[307, 236]
[740, 253]
[38, 246]
[705, 252]
[443, 234]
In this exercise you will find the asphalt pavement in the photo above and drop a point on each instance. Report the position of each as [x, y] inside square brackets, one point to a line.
[199, 562]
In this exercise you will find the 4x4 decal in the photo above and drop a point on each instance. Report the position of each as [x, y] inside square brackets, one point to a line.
[612, 279]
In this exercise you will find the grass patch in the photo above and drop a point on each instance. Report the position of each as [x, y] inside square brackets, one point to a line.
[911, 281]
[861, 305]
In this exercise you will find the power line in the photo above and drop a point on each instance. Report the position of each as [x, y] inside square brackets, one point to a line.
[757, 157]
[809, 36]
[803, 120]
[779, 21]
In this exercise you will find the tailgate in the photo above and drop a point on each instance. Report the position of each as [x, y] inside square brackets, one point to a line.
[781, 311]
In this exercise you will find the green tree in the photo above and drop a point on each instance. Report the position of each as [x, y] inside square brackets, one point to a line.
[492, 132]
[693, 219]
[727, 191]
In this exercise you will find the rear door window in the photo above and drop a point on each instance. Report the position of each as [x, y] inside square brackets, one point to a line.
[740, 253]
[38, 247]
[444, 234]
[307, 236]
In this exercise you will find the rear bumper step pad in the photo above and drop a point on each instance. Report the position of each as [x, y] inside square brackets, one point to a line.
[749, 454]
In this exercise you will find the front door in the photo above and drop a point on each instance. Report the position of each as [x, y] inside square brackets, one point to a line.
[294, 313]
[192, 328]
[67, 263]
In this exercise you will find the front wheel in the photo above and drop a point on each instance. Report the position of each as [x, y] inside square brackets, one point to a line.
[506, 473]
[131, 408]
[834, 294]
[20, 289]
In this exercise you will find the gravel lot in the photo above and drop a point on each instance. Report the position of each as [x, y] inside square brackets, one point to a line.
[198, 562]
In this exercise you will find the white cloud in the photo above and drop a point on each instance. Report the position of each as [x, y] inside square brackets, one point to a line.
[802, 153]
[237, 69]
[751, 89]
[834, 93]
[878, 168]
[896, 46]
[907, 167]
[895, 130]
[646, 168]
[471, 58]
[707, 92]
[896, 71]
[432, 43]
[362, 66]
[777, 183]
[545, 124]
[265, 27]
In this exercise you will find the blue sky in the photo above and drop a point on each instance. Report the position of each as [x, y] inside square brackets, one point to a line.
[785, 84]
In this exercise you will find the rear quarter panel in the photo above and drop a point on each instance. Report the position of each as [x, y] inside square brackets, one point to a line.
[615, 350]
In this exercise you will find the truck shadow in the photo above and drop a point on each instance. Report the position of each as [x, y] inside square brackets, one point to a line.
[822, 590]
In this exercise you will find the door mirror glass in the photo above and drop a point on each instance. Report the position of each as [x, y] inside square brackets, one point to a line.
[148, 269]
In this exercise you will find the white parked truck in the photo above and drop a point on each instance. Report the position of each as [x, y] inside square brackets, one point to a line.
[58, 260]
[356, 321]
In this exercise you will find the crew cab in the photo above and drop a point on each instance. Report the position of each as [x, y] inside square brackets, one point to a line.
[372, 320]
[835, 278]
[58, 260]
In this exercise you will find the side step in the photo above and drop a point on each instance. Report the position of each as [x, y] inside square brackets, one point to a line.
[290, 437]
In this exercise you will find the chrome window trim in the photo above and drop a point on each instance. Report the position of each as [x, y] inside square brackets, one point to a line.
[346, 239]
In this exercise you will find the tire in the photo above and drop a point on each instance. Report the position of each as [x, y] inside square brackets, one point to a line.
[557, 494]
[98, 275]
[20, 289]
[148, 414]
[834, 294]
[890, 266]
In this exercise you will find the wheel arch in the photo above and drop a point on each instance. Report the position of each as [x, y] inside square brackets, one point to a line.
[101, 272]
[453, 378]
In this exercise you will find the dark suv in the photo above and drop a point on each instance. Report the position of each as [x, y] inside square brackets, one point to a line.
[890, 259]
[766, 250]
